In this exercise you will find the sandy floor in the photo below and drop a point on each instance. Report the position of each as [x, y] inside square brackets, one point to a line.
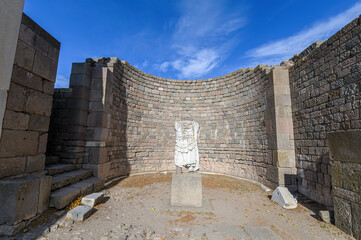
[140, 201]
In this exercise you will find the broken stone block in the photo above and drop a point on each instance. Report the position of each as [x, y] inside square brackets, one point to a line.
[20, 196]
[325, 216]
[93, 199]
[186, 190]
[284, 198]
[80, 213]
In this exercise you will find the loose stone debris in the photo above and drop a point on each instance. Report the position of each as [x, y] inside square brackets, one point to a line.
[284, 198]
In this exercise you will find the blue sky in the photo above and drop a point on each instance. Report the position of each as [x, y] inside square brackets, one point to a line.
[187, 39]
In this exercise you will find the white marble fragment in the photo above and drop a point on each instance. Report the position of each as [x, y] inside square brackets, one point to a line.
[186, 148]
[284, 198]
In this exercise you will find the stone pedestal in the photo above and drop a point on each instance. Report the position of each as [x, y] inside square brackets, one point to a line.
[186, 190]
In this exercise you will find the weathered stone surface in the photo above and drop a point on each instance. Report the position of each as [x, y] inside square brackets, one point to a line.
[356, 220]
[93, 199]
[80, 213]
[39, 123]
[284, 198]
[26, 78]
[325, 216]
[38, 103]
[343, 215]
[43, 140]
[15, 120]
[44, 66]
[344, 146]
[261, 233]
[20, 196]
[25, 55]
[186, 190]
[68, 178]
[62, 197]
[11, 140]
[35, 163]
[12, 166]
[44, 193]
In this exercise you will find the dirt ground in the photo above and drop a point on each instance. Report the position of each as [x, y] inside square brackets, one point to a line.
[138, 203]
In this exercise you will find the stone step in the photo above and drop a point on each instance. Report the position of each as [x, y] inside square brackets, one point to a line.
[54, 169]
[52, 160]
[67, 178]
[62, 197]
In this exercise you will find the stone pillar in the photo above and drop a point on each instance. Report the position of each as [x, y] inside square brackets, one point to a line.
[282, 170]
[10, 19]
[99, 117]
[345, 156]
[73, 149]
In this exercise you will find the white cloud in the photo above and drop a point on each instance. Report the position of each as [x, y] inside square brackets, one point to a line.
[272, 52]
[201, 39]
[61, 81]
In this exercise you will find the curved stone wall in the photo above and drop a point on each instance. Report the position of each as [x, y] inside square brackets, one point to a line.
[229, 109]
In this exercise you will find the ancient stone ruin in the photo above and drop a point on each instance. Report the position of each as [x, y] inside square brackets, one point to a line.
[270, 124]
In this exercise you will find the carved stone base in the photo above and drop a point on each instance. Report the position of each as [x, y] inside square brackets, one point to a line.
[186, 190]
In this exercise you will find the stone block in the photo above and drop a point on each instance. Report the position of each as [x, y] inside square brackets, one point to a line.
[24, 56]
[284, 125]
[80, 213]
[44, 193]
[12, 166]
[77, 103]
[43, 140]
[39, 123]
[20, 196]
[284, 158]
[279, 76]
[80, 79]
[17, 98]
[12, 139]
[356, 220]
[35, 163]
[351, 176]
[62, 197]
[45, 67]
[48, 87]
[99, 170]
[15, 120]
[336, 173]
[78, 117]
[98, 155]
[343, 215]
[284, 198]
[39, 103]
[96, 134]
[81, 68]
[80, 92]
[53, 53]
[186, 190]
[93, 199]
[325, 216]
[26, 79]
[345, 146]
[97, 119]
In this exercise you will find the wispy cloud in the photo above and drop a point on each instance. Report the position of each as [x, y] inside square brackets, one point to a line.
[283, 49]
[202, 37]
[61, 81]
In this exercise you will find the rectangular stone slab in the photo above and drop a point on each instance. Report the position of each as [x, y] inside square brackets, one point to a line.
[80, 213]
[186, 190]
[92, 199]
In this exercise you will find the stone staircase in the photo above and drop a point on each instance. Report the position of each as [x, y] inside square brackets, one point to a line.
[69, 182]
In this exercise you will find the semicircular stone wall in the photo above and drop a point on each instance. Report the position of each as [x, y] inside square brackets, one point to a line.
[230, 111]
